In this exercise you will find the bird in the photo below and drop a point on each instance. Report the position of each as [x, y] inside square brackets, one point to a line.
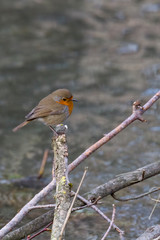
[53, 109]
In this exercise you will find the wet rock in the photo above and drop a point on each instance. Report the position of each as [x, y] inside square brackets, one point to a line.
[151, 7]
[120, 16]
[152, 71]
[27, 182]
[155, 129]
[128, 48]
[150, 92]
[127, 31]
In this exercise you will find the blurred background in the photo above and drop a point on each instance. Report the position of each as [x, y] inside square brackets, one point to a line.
[107, 53]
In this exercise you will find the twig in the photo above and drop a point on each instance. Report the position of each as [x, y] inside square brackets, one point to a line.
[125, 180]
[84, 206]
[136, 197]
[42, 206]
[54, 205]
[73, 201]
[111, 223]
[19, 216]
[157, 200]
[45, 156]
[100, 213]
[41, 231]
[31, 227]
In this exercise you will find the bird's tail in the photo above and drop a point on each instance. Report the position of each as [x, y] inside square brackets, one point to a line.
[20, 126]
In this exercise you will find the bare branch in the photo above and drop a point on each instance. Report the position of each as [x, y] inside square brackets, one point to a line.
[73, 201]
[20, 215]
[101, 213]
[112, 186]
[124, 180]
[136, 197]
[30, 227]
[157, 200]
[45, 156]
[152, 233]
[42, 206]
[63, 198]
[134, 116]
[41, 231]
[85, 206]
[111, 223]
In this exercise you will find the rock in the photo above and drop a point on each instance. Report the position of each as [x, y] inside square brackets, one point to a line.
[151, 7]
[128, 48]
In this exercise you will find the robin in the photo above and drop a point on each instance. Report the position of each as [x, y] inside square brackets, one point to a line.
[51, 110]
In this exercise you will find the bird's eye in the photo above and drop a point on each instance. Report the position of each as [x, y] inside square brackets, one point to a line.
[64, 99]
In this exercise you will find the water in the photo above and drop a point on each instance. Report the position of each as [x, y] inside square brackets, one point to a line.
[45, 45]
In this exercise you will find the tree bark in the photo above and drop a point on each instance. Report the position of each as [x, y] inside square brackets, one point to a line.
[63, 197]
[152, 233]
[123, 181]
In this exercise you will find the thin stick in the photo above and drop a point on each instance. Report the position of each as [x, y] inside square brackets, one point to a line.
[155, 200]
[41, 231]
[42, 206]
[73, 201]
[45, 156]
[136, 197]
[101, 213]
[111, 223]
[154, 207]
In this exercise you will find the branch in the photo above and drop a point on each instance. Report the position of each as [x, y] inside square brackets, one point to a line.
[114, 185]
[30, 227]
[71, 206]
[124, 180]
[63, 197]
[43, 206]
[41, 231]
[157, 200]
[111, 223]
[134, 116]
[82, 199]
[44, 160]
[151, 233]
[136, 197]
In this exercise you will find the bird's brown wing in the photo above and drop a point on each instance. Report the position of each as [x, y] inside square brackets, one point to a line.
[47, 106]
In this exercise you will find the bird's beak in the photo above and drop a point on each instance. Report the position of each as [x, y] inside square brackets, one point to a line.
[75, 100]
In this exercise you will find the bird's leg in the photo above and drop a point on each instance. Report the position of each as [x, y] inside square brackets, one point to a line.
[53, 130]
[59, 129]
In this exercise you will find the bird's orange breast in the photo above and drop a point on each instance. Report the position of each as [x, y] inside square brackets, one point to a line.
[68, 103]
